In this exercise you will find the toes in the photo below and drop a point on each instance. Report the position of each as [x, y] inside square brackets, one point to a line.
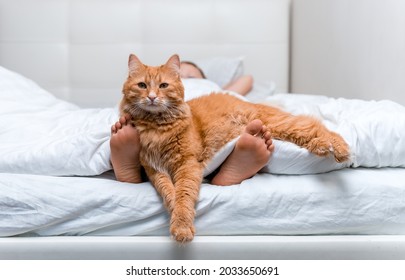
[118, 126]
[264, 129]
[115, 127]
[254, 127]
[123, 120]
[270, 145]
[267, 136]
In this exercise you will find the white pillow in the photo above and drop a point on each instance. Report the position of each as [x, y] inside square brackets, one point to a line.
[194, 88]
[221, 70]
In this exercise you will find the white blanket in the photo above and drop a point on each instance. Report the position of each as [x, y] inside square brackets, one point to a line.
[40, 134]
[348, 201]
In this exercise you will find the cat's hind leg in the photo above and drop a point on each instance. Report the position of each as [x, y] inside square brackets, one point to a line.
[315, 137]
[330, 143]
[307, 132]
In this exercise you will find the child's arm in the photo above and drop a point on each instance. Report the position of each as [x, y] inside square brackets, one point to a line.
[241, 85]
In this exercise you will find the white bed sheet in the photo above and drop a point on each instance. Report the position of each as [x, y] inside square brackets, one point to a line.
[348, 201]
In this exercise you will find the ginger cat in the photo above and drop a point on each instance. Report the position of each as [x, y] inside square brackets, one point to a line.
[177, 138]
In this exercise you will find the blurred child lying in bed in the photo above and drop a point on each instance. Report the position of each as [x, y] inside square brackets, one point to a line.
[251, 153]
[242, 85]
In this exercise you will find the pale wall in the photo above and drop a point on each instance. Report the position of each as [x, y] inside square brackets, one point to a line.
[349, 48]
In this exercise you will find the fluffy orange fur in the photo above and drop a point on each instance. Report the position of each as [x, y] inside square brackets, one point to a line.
[177, 138]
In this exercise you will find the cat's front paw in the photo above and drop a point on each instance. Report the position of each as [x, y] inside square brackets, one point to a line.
[168, 202]
[182, 233]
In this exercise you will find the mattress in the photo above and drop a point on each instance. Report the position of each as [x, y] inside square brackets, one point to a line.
[348, 201]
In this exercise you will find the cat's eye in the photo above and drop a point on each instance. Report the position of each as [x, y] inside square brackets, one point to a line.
[163, 85]
[142, 85]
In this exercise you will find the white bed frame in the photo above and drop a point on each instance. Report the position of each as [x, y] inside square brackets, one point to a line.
[78, 50]
[349, 247]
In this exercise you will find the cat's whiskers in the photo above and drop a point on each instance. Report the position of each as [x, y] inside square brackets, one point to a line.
[133, 110]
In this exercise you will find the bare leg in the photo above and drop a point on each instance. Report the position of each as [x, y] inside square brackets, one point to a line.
[252, 152]
[124, 145]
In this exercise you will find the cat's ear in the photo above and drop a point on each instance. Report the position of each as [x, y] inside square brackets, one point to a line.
[174, 63]
[134, 65]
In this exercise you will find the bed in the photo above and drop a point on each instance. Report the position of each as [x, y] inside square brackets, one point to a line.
[60, 200]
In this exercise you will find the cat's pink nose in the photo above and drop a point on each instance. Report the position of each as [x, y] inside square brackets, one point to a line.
[152, 96]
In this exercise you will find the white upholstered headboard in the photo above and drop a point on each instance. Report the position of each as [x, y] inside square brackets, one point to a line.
[78, 49]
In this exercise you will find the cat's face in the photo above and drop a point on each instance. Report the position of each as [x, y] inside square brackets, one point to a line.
[153, 88]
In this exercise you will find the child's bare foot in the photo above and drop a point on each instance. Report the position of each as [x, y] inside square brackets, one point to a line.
[251, 153]
[124, 145]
